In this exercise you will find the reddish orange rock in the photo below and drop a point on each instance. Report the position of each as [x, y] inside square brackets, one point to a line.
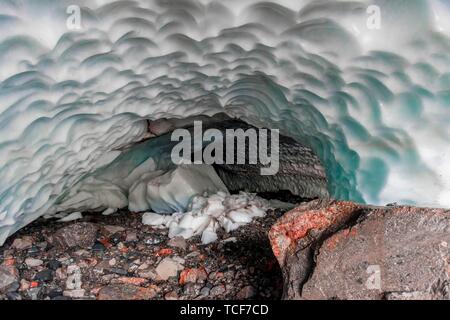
[307, 219]
[9, 262]
[132, 280]
[193, 275]
[164, 252]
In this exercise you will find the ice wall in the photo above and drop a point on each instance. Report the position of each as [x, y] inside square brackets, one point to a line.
[372, 103]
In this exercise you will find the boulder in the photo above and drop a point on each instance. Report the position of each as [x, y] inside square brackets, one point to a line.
[82, 234]
[342, 250]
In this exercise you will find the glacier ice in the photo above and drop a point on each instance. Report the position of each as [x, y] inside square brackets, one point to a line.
[207, 214]
[372, 104]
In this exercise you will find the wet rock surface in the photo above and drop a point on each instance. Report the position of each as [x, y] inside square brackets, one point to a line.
[116, 257]
[341, 250]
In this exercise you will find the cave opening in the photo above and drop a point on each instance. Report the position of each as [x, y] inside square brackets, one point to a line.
[88, 228]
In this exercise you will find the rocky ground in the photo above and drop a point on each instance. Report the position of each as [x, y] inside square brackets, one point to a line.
[116, 257]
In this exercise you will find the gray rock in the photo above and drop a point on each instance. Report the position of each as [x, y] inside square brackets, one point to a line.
[246, 293]
[82, 234]
[168, 268]
[8, 276]
[32, 262]
[217, 290]
[178, 242]
[45, 275]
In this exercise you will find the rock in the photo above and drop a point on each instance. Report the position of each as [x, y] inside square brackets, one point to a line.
[172, 295]
[13, 296]
[205, 291]
[24, 285]
[82, 234]
[99, 247]
[126, 292]
[118, 271]
[178, 242]
[218, 290]
[192, 289]
[8, 276]
[131, 236]
[55, 293]
[110, 230]
[34, 293]
[54, 264]
[45, 275]
[341, 250]
[22, 243]
[32, 262]
[132, 280]
[168, 268]
[149, 273]
[193, 275]
[246, 292]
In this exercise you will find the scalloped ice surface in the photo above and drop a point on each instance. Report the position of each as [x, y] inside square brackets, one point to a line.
[373, 104]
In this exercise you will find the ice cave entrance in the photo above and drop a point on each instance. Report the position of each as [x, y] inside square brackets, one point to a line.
[196, 198]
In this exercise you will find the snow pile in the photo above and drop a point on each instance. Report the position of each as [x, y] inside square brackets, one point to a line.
[209, 213]
[172, 191]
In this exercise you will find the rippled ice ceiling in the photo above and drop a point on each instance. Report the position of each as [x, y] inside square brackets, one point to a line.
[374, 104]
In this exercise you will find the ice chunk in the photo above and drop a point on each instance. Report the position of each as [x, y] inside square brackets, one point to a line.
[208, 214]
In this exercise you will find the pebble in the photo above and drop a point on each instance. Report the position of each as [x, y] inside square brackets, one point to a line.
[8, 276]
[22, 243]
[178, 242]
[218, 290]
[172, 295]
[131, 237]
[98, 247]
[112, 262]
[194, 275]
[246, 293]
[54, 264]
[152, 240]
[13, 296]
[32, 262]
[34, 293]
[192, 289]
[110, 230]
[168, 268]
[45, 275]
[205, 291]
[118, 271]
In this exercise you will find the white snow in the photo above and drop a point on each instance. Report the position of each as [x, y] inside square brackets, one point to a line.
[71, 217]
[206, 214]
[172, 191]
